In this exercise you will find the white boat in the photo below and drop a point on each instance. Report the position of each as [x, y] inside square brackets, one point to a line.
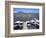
[18, 22]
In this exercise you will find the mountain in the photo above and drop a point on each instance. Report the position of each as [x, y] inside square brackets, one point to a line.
[25, 16]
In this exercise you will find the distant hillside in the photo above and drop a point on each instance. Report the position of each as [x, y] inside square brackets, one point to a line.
[25, 16]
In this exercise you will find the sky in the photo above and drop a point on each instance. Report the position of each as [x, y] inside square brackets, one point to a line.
[26, 10]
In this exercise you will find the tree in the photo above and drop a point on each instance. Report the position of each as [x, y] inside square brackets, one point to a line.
[20, 12]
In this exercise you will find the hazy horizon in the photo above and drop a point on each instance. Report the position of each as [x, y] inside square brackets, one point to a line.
[26, 10]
